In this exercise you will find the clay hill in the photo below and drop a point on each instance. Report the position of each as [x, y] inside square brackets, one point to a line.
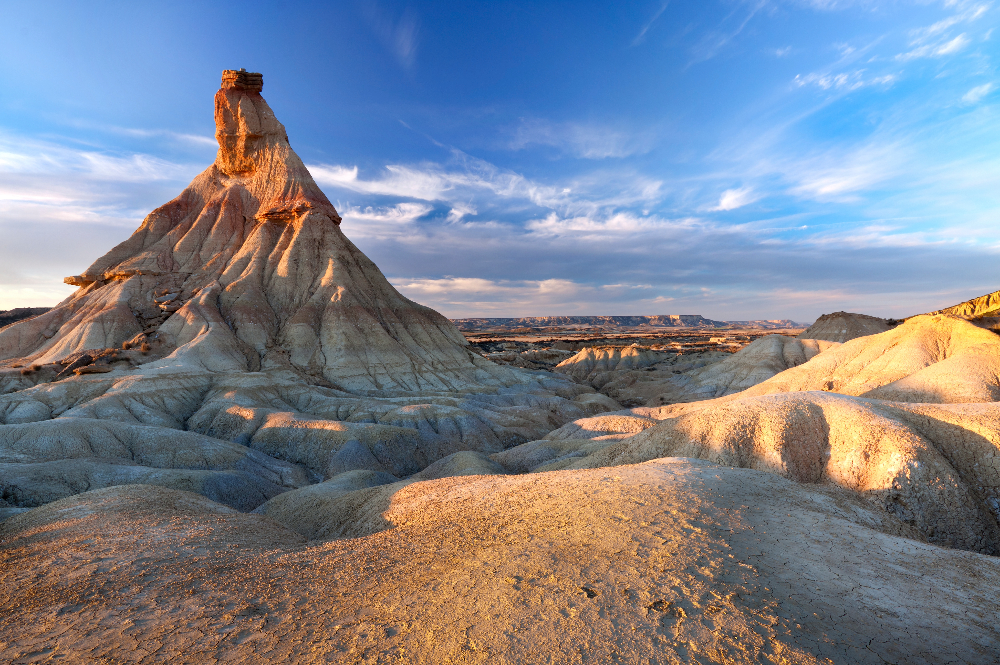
[614, 322]
[236, 442]
[844, 326]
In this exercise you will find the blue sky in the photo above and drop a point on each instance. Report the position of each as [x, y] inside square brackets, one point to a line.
[735, 159]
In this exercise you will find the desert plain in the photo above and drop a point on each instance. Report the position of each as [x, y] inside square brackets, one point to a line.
[238, 442]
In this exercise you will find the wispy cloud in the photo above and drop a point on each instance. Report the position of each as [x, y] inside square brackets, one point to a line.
[462, 296]
[460, 210]
[844, 81]
[839, 174]
[465, 177]
[26, 156]
[399, 34]
[589, 141]
[713, 42]
[641, 37]
[977, 94]
[935, 40]
[937, 50]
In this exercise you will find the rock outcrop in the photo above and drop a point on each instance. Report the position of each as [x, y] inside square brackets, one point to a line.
[926, 359]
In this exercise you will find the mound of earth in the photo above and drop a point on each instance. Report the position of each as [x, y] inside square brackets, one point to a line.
[634, 376]
[928, 358]
[845, 326]
[239, 311]
[668, 561]
[598, 364]
[914, 430]
[756, 362]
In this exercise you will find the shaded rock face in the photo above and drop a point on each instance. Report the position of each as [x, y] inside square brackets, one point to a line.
[845, 326]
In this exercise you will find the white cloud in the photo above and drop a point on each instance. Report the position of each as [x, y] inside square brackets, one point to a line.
[46, 182]
[975, 95]
[467, 177]
[837, 174]
[28, 156]
[460, 210]
[463, 297]
[934, 41]
[380, 221]
[732, 199]
[616, 225]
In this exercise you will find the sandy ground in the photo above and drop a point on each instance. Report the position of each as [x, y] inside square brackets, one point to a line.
[670, 561]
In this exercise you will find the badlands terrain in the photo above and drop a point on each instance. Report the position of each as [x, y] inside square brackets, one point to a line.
[237, 442]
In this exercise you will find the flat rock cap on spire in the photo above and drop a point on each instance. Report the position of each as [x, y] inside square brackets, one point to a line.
[242, 80]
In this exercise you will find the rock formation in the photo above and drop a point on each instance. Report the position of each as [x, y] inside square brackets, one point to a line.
[239, 311]
[844, 326]
[248, 270]
[988, 305]
[984, 311]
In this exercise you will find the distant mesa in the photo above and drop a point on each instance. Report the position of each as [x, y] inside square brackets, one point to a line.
[615, 322]
[9, 316]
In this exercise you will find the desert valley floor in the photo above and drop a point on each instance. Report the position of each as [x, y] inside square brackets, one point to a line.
[238, 442]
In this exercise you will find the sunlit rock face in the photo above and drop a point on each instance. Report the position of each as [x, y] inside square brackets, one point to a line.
[239, 310]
